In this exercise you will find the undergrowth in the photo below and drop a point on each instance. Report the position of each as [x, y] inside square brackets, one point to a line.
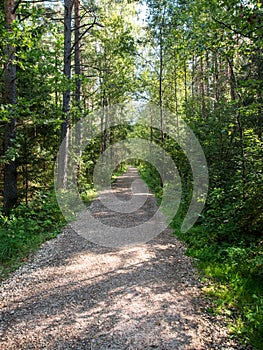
[234, 274]
[120, 169]
[27, 227]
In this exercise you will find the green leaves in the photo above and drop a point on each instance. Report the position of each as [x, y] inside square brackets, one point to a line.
[212, 76]
[27, 227]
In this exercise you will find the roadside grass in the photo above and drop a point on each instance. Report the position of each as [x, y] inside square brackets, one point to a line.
[27, 227]
[122, 168]
[233, 275]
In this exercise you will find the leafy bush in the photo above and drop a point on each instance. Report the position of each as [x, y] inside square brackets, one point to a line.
[235, 276]
[27, 227]
[151, 176]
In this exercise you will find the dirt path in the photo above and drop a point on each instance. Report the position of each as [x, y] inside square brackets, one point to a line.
[77, 295]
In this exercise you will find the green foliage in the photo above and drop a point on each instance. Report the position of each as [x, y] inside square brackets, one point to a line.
[234, 268]
[230, 260]
[211, 76]
[88, 194]
[27, 227]
[120, 169]
[151, 176]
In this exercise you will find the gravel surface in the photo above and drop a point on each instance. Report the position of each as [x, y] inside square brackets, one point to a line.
[74, 294]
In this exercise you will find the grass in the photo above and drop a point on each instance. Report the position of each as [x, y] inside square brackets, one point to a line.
[233, 274]
[121, 169]
[26, 229]
[151, 177]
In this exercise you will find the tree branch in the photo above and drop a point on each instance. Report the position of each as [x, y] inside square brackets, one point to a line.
[89, 27]
[232, 29]
[16, 6]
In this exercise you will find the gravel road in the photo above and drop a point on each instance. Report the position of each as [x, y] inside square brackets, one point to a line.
[74, 294]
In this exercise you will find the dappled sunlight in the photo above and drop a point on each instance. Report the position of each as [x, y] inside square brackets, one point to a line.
[75, 294]
[135, 295]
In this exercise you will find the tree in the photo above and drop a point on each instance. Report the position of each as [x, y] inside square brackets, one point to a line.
[10, 99]
[63, 159]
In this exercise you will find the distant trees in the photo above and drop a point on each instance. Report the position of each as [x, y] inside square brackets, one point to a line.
[211, 75]
[205, 66]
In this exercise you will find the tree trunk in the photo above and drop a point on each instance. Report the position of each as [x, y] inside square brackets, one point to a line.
[63, 159]
[207, 63]
[176, 96]
[259, 65]
[77, 53]
[9, 98]
[77, 59]
[185, 82]
[202, 88]
[193, 77]
[161, 96]
[233, 86]
[216, 79]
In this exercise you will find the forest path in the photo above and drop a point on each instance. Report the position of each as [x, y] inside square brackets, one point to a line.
[74, 294]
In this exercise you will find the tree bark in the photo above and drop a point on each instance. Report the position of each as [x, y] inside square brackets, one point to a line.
[77, 52]
[10, 99]
[63, 159]
[259, 65]
[202, 87]
[161, 48]
[233, 86]
[77, 59]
